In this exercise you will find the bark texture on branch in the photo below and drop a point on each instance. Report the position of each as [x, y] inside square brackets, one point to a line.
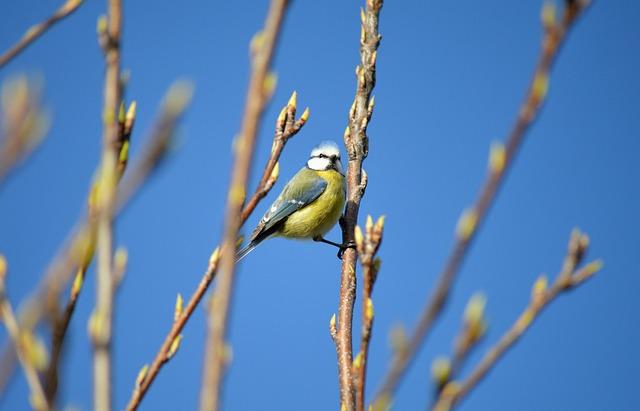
[357, 146]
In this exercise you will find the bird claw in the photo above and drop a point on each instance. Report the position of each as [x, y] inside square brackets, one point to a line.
[343, 248]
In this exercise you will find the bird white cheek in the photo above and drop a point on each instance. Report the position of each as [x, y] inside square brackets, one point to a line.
[317, 163]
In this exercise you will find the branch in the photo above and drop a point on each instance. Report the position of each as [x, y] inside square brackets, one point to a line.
[76, 248]
[357, 145]
[541, 297]
[38, 30]
[61, 321]
[500, 160]
[28, 348]
[260, 88]
[367, 246]
[100, 323]
[474, 328]
[286, 128]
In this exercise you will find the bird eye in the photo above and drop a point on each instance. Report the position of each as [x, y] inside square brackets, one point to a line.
[321, 155]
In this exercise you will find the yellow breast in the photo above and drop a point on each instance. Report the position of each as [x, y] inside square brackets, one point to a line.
[318, 217]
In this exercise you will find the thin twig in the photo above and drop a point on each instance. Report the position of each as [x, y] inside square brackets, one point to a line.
[38, 30]
[58, 334]
[38, 399]
[357, 145]
[541, 297]
[367, 246]
[500, 161]
[260, 89]
[474, 328]
[286, 128]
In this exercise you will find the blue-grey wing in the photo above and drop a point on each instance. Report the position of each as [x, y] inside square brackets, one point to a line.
[301, 190]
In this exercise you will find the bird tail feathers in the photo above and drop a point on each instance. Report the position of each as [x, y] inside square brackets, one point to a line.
[240, 254]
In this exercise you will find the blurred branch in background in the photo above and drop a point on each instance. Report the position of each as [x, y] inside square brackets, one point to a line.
[24, 122]
[101, 320]
[34, 32]
[261, 86]
[541, 296]
[367, 245]
[501, 157]
[73, 253]
[61, 320]
[29, 347]
[286, 127]
[473, 330]
[357, 145]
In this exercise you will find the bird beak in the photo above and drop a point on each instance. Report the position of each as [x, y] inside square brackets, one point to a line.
[338, 166]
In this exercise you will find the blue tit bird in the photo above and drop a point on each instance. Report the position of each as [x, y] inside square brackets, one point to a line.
[309, 205]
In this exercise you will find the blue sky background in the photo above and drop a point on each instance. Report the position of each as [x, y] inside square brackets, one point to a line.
[450, 79]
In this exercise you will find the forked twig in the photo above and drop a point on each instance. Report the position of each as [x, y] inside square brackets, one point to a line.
[541, 297]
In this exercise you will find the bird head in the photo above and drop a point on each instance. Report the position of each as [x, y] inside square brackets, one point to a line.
[325, 157]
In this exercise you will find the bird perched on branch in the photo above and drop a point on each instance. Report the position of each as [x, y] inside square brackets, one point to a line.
[309, 205]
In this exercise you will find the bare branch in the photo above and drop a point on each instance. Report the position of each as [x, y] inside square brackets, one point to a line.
[367, 246]
[500, 160]
[357, 145]
[34, 32]
[286, 127]
[25, 342]
[474, 328]
[261, 86]
[541, 297]
[100, 323]
[61, 321]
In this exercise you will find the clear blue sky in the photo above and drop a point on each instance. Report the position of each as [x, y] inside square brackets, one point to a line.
[450, 79]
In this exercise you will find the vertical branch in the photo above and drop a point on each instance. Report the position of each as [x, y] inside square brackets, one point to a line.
[501, 158]
[260, 89]
[34, 32]
[60, 321]
[357, 145]
[367, 246]
[100, 327]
